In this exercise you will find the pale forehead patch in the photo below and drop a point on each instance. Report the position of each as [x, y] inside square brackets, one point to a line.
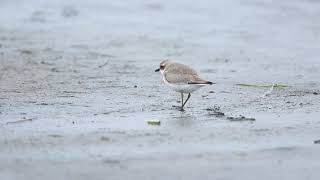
[165, 62]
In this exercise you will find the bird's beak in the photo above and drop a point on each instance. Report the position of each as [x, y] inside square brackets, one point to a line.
[157, 70]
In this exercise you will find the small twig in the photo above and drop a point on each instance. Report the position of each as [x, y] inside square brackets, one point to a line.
[101, 66]
[20, 121]
[255, 85]
[269, 91]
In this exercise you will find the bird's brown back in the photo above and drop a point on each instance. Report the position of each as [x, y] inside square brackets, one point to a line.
[182, 74]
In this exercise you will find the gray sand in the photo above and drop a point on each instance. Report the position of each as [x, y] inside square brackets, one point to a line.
[77, 87]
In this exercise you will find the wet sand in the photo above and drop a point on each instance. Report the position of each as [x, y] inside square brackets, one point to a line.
[77, 87]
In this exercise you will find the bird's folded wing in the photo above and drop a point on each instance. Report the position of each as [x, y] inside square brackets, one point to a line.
[184, 78]
[181, 74]
[178, 68]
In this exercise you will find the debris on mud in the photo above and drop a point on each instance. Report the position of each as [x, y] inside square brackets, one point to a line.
[302, 93]
[104, 138]
[25, 51]
[47, 63]
[226, 92]
[264, 86]
[55, 70]
[316, 141]
[55, 135]
[240, 118]
[215, 111]
[154, 122]
[111, 161]
[220, 60]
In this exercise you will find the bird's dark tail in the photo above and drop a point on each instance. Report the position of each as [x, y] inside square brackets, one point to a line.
[204, 82]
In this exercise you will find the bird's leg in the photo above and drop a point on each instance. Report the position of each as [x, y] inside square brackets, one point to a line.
[181, 101]
[189, 95]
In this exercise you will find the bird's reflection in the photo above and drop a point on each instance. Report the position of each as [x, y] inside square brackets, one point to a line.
[183, 119]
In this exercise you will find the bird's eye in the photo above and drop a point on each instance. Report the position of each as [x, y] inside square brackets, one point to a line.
[162, 67]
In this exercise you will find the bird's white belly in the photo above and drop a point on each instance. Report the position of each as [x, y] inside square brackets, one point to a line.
[183, 88]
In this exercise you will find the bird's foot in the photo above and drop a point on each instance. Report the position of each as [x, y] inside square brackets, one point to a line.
[178, 107]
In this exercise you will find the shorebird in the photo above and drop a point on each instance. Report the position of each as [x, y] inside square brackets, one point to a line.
[181, 78]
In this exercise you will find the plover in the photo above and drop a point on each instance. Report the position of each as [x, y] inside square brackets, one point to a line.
[181, 78]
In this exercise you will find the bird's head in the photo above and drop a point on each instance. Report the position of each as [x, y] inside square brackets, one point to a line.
[163, 65]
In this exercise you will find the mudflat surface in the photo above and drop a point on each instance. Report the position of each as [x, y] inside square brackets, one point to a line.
[77, 87]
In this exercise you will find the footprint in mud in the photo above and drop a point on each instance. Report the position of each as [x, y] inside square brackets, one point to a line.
[69, 11]
[154, 6]
[284, 149]
[38, 16]
[25, 51]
